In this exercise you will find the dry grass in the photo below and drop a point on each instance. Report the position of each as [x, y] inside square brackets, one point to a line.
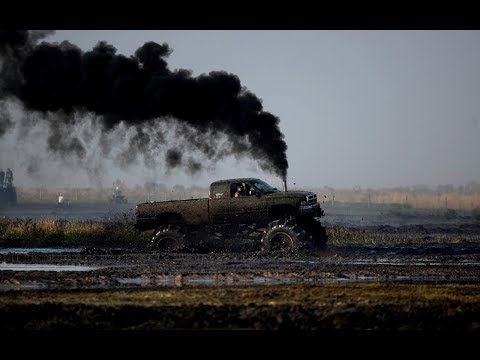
[418, 200]
[28, 233]
[68, 233]
[342, 236]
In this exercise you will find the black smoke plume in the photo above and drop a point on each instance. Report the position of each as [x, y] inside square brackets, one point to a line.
[137, 91]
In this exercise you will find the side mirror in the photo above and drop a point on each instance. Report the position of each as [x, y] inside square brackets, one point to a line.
[253, 192]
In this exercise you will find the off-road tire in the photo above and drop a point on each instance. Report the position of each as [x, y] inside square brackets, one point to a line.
[168, 238]
[283, 236]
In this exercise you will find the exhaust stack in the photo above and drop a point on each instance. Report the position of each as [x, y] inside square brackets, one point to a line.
[284, 183]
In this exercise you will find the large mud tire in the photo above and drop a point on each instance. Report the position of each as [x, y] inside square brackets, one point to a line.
[283, 236]
[168, 238]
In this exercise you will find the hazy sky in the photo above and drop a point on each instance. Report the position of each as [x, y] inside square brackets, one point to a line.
[357, 108]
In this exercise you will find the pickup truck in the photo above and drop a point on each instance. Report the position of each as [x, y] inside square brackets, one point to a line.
[287, 219]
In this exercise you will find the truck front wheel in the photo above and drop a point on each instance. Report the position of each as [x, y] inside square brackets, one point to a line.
[168, 238]
[282, 236]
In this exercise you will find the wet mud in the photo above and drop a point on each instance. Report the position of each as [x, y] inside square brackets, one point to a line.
[427, 280]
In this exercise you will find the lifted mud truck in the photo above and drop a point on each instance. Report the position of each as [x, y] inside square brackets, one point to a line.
[283, 219]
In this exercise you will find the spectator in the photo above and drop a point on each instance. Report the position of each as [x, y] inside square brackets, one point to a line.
[8, 177]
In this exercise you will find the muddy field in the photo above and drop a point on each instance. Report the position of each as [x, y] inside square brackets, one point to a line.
[426, 278]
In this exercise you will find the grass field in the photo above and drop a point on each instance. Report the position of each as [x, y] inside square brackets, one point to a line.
[30, 233]
[41, 233]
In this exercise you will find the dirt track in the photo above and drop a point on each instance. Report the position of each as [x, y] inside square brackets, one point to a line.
[430, 281]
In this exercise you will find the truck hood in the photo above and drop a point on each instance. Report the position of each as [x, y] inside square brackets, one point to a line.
[290, 194]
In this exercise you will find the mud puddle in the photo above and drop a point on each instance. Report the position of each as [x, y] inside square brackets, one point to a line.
[46, 267]
[239, 279]
[213, 281]
[391, 262]
[23, 286]
[57, 250]
[139, 281]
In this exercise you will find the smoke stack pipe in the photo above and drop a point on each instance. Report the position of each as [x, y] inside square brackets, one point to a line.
[284, 183]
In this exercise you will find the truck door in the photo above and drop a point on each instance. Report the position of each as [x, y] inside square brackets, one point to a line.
[219, 203]
[250, 206]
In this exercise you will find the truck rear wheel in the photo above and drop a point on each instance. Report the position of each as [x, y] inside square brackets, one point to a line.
[168, 238]
[283, 236]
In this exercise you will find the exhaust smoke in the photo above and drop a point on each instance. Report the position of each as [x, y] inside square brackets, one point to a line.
[213, 115]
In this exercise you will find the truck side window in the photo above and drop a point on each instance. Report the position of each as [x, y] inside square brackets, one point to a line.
[233, 189]
[238, 189]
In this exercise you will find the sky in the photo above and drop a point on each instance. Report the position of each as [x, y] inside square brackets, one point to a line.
[357, 108]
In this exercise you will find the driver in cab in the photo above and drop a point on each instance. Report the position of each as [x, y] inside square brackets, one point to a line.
[239, 191]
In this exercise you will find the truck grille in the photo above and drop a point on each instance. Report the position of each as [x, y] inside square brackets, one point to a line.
[311, 199]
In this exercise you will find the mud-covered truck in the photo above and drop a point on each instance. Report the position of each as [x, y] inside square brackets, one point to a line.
[283, 219]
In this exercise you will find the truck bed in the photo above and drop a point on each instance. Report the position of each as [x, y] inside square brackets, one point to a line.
[193, 212]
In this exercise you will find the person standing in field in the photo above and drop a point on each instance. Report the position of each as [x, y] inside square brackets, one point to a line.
[8, 177]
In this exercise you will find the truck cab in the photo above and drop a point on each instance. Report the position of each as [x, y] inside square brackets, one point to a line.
[259, 202]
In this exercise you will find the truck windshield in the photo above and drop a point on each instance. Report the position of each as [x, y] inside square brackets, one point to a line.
[264, 187]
